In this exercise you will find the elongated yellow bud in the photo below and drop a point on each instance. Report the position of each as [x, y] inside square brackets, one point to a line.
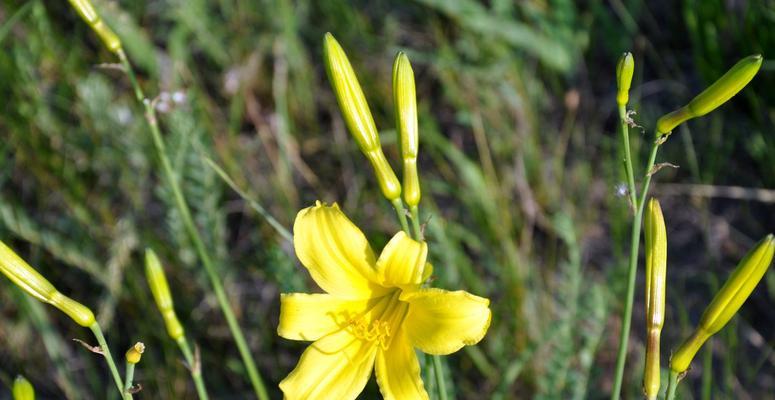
[715, 95]
[357, 115]
[160, 289]
[405, 102]
[32, 282]
[624, 70]
[22, 389]
[135, 353]
[87, 12]
[727, 301]
[656, 276]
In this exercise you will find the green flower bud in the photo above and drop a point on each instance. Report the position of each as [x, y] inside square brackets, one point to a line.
[357, 115]
[32, 282]
[87, 12]
[22, 389]
[160, 289]
[405, 101]
[727, 301]
[656, 275]
[715, 95]
[624, 70]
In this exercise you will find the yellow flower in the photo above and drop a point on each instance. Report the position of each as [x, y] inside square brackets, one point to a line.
[373, 315]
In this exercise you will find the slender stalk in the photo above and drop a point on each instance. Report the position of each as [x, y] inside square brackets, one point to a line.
[193, 233]
[95, 328]
[416, 222]
[707, 371]
[672, 385]
[194, 367]
[628, 157]
[624, 336]
[129, 377]
[440, 384]
[398, 205]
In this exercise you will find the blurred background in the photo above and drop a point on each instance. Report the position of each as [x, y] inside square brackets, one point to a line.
[520, 167]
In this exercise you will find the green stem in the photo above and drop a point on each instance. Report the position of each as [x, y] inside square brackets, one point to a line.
[193, 233]
[707, 372]
[631, 275]
[398, 205]
[439, 372]
[672, 385]
[194, 367]
[130, 376]
[414, 210]
[95, 328]
[627, 156]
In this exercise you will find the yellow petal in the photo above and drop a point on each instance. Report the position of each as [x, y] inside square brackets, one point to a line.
[336, 253]
[402, 261]
[312, 316]
[441, 322]
[334, 367]
[427, 272]
[398, 371]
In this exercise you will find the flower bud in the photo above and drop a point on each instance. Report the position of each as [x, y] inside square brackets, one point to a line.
[405, 102]
[160, 289]
[624, 70]
[87, 12]
[656, 276]
[78, 312]
[715, 95]
[22, 389]
[135, 352]
[32, 282]
[727, 301]
[357, 115]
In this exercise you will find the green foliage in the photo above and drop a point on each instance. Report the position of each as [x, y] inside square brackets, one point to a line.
[518, 163]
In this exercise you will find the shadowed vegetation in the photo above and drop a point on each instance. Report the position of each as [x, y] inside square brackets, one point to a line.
[520, 167]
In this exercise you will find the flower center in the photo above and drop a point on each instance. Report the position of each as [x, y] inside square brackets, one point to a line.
[381, 323]
[375, 331]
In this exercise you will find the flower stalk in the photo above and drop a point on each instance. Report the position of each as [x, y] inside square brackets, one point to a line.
[89, 14]
[624, 335]
[194, 367]
[194, 235]
[132, 356]
[105, 351]
[160, 289]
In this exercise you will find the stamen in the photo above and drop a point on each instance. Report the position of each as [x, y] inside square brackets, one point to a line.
[377, 331]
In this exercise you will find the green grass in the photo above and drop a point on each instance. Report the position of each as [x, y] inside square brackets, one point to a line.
[519, 164]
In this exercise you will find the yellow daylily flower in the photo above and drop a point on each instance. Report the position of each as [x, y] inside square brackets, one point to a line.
[373, 315]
